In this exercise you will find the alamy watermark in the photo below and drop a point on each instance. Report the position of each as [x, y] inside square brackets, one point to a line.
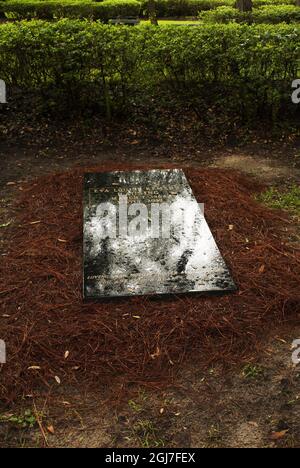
[296, 352]
[159, 220]
[2, 92]
[296, 93]
[2, 352]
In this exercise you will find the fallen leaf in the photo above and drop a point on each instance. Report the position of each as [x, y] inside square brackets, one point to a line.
[281, 340]
[5, 224]
[50, 429]
[278, 435]
[7, 416]
[156, 354]
[253, 423]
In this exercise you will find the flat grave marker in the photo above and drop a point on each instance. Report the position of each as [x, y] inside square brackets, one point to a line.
[145, 234]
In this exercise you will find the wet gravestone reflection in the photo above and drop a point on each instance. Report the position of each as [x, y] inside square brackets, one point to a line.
[145, 233]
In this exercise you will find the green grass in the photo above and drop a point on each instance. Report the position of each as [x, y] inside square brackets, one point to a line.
[214, 437]
[24, 420]
[287, 199]
[147, 434]
[134, 406]
[251, 371]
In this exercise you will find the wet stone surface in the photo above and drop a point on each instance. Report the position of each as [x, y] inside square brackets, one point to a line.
[145, 234]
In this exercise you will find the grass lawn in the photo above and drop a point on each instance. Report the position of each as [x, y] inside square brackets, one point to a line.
[288, 199]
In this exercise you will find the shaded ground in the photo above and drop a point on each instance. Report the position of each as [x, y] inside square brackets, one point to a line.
[256, 406]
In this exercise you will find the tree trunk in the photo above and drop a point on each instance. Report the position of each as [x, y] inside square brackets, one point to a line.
[152, 12]
[245, 5]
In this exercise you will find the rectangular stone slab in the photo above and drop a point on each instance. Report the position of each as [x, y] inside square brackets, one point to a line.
[119, 261]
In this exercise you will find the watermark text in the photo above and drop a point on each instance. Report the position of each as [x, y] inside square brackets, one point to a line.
[296, 93]
[2, 92]
[159, 220]
[296, 353]
[2, 352]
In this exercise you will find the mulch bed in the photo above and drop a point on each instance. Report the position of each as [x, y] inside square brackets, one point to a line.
[53, 337]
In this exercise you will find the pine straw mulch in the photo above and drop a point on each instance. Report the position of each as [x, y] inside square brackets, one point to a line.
[53, 336]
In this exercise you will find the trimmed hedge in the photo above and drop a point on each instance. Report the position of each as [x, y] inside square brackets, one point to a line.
[264, 14]
[50, 10]
[178, 8]
[243, 72]
[105, 9]
[258, 3]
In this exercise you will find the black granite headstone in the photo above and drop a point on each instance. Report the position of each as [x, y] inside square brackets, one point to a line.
[144, 233]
